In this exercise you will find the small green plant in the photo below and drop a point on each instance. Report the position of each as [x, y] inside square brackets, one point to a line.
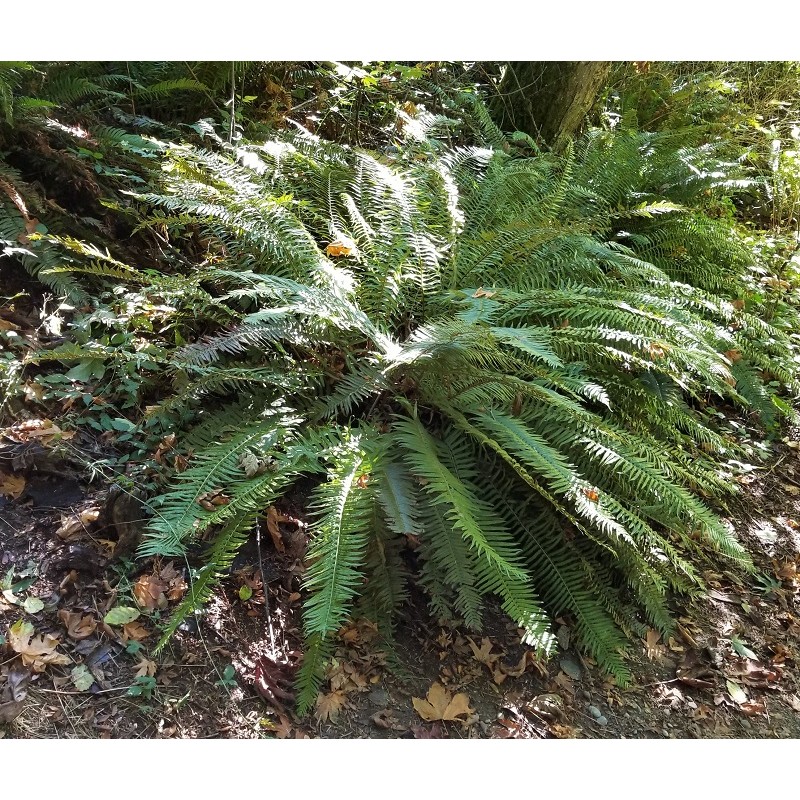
[228, 679]
[144, 686]
[768, 585]
[133, 647]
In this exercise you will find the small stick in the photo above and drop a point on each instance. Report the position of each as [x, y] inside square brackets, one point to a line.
[266, 592]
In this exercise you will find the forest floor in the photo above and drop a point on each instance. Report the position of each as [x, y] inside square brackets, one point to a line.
[69, 670]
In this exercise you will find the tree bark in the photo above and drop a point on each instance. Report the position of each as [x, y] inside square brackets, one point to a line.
[549, 100]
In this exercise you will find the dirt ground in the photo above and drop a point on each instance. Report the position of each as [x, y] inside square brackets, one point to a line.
[69, 670]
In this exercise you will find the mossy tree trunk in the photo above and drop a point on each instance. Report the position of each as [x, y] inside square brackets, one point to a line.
[549, 99]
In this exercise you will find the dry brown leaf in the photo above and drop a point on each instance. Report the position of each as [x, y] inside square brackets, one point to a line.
[135, 631]
[338, 248]
[565, 682]
[273, 518]
[75, 524]
[386, 720]
[483, 653]
[329, 706]
[441, 705]
[146, 667]
[528, 659]
[150, 592]
[79, 626]
[36, 651]
[753, 707]
[43, 429]
[653, 648]
[11, 486]
[11, 710]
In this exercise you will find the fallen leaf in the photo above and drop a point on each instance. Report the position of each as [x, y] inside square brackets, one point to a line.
[149, 592]
[250, 464]
[36, 651]
[119, 615]
[528, 659]
[653, 649]
[10, 711]
[11, 486]
[742, 649]
[146, 668]
[281, 729]
[338, 248]
[441, 705]
[273, 518]
[82, 679]
[32, 605]
[483, 653]
[753, 707]
[134, 631]
[386, 720]
[329, 706]
[78, 626]
[427, 731]
[736, 692]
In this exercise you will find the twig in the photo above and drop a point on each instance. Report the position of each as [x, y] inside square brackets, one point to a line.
[266, 593]
[776, 464]
[99, 691]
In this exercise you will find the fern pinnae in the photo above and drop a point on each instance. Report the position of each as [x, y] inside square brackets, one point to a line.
[343, 506]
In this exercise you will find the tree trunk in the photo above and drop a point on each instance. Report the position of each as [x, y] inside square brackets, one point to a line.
[549, 100]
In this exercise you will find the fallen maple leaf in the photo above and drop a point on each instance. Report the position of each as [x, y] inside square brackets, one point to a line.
[329, 706]
[134, 631]
[441, 705]
[79, 626]
[36, 651]
[145, 668]
[484, 652]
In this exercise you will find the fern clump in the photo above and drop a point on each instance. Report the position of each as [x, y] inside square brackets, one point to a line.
[504, 358]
